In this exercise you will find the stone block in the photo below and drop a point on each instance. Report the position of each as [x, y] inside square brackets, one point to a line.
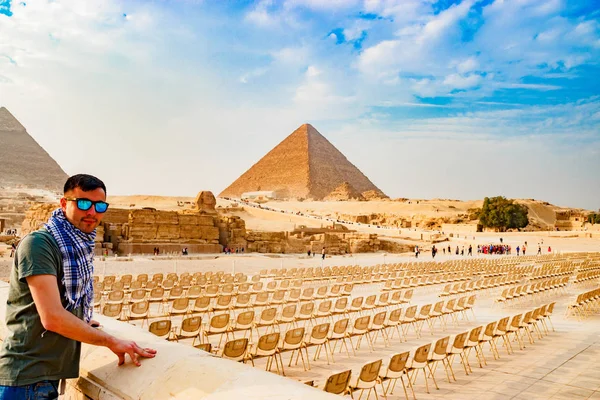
[167, 232]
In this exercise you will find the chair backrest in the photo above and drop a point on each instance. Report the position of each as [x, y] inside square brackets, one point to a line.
[439, 306]
[307, 308]
[181, 303]
[341, 326]
[202, 302]
[370, 371]
[395, 315]
[441, 346]
[503, 324]
[489, 329]
[362, 323]
[357, 301]
[262, 297]
[289, 311]
[235, 348]
[294, 336]
[191, 324]
[320, 331]
[116, 295]
[176, 291]
[422, 353]
[224, 300]
[515, 321]
[139, 308]
[550, 308]
[268, 314]
[219, 321]
[398, 361]
[245, 319]
[411, 312]
[160, 328]
[325, 306]
[157, 293]
[269, 342]
[370, 300]
[341, 303]
[379, 318]
[204, 347]
[112, 310]
[322, 291]
[338, 383]
[459, 341]
[474, 334]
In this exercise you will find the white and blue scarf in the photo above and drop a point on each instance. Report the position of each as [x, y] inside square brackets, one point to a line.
[77, 249]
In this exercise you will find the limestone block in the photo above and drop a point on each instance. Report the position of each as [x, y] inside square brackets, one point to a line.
[196, 219]
[167, 217]
[142, 217]
[167, 232]
[190, 232]
[142, 231]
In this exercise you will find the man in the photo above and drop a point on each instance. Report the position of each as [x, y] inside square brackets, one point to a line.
[50, 299]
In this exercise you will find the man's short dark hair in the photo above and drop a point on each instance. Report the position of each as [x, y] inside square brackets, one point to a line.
[87, 183]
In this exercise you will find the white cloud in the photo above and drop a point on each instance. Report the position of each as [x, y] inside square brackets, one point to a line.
[468, 65]
[457, 81]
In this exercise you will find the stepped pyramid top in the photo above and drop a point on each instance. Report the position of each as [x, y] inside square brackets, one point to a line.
[24, 161]
[305, 165]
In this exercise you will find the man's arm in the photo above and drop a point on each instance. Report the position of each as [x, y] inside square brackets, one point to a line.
[44, 289]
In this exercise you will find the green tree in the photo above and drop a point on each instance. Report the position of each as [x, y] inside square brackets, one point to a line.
[593, 218]
[500, 213]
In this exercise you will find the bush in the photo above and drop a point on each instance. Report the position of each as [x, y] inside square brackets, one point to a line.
[500, 213]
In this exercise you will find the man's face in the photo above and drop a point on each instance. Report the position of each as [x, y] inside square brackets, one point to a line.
[85, 221]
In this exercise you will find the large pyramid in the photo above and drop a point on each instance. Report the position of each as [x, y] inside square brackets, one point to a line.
[303, 166]
[23, 161]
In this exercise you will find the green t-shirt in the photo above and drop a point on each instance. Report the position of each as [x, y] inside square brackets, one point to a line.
[29, 352]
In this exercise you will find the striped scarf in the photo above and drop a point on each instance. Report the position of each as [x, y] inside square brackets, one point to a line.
[77, 249]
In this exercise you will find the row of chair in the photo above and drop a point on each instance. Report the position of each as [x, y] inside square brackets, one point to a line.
[483, 284]
[428, 357]
[522, 291]
[585, 304]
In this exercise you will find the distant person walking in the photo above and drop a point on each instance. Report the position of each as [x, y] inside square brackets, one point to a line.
[518, 250]
[323, 253]
[470, 250]
[539, 250]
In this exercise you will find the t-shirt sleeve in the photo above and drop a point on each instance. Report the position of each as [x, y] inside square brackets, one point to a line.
[36, 256]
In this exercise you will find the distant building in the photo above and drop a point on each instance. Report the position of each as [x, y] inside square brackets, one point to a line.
[260, 196]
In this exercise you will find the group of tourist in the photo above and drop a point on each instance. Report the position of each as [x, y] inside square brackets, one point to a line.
[494, 249]
[229, 250]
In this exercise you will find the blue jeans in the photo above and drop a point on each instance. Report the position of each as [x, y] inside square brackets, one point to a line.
[36, 391]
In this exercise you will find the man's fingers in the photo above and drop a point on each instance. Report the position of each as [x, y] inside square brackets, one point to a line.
[134, 357]
[121, 358]
[147, 352]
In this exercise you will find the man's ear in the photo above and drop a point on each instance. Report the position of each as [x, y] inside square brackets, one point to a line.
[63, 204]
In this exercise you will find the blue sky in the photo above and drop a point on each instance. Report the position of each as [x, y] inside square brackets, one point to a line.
[430, 99]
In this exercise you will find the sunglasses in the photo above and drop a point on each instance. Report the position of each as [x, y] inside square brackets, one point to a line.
[86, 204]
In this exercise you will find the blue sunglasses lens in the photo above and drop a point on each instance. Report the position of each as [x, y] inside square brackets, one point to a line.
[84, 204]
[101, 207]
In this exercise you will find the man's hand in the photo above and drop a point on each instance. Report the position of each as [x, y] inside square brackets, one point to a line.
[122, 347]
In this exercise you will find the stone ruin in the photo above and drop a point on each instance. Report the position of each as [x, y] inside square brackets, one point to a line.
[205, 230]
[134, 231]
